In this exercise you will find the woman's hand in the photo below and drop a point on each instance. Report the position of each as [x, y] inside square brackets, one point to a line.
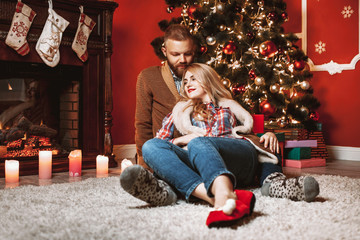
[184, 140]
[269, 139]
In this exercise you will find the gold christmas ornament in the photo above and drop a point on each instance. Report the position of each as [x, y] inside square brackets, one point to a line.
[305, 85]
[210, 40]
[259, 81]
[226, 82]
[275, 88]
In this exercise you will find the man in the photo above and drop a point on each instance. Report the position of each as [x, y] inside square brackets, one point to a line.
[157, 88]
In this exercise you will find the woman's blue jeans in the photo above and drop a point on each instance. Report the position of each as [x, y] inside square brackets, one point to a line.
[205, 159]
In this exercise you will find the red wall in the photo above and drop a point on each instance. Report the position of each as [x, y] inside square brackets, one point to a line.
[135, 26]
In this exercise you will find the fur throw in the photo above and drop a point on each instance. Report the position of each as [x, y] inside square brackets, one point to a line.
[182, 121]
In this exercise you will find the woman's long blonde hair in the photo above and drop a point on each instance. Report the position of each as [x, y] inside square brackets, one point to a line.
[210, 81]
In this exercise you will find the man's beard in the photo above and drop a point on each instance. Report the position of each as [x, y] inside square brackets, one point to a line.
[177, 71]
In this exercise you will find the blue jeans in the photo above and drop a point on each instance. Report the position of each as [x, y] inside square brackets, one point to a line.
[205, 159]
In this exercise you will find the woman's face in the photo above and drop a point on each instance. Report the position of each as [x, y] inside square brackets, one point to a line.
[193, 89]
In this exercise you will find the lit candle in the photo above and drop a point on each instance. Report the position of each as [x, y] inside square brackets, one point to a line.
[11, 171]
[258, 123]
[75, 163]
[102, 164]
[45, 164]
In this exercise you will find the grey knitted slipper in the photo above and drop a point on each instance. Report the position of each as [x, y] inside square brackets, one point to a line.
[142, 184]
[303, 188]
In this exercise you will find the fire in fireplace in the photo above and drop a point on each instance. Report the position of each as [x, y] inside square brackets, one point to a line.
[39, 109]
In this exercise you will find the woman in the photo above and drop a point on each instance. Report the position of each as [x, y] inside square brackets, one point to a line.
[215, 153]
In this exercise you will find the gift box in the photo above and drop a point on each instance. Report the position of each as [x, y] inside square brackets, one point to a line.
[306, 163]
[300, 143]
[297, 153]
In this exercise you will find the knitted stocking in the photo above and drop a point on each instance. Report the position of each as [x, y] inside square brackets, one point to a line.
[85, 27]
[141, 184]
[303, 188]
[21, 23]
[50, 38]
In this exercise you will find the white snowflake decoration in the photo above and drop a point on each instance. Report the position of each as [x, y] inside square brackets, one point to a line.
[320, 47]
[347, 12]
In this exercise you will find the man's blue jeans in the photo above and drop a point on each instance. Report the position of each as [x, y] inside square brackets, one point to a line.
[205, 159]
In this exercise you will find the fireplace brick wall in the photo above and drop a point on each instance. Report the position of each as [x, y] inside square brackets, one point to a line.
[69, 117]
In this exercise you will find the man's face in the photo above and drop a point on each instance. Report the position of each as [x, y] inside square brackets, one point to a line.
[179, 54]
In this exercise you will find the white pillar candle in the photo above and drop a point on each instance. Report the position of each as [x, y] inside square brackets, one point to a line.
[75, 159]
[11, 171]
[45, 164]
[102, 164]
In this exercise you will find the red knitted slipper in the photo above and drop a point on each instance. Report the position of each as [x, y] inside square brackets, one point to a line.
[218, 218]
[247, 197]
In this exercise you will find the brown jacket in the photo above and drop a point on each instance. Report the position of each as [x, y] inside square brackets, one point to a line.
[156, 95]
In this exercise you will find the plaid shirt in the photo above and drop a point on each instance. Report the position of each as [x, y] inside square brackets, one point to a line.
[219, 124]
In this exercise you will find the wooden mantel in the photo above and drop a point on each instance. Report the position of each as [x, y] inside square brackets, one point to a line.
[97, 103]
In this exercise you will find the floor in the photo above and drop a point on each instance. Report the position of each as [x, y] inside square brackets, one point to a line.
[333, 167]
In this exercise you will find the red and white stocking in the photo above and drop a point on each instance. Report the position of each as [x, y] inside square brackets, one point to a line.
[50, 38]
[21, 23]
[85, 27]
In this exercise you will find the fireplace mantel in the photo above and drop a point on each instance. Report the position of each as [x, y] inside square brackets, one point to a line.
[96, 72]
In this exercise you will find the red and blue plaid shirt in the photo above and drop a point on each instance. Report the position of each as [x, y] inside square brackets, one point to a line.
[219, 124]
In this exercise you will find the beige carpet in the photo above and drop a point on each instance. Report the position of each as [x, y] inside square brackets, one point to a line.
[100, 209]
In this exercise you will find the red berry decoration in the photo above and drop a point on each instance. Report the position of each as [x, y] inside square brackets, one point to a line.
[229, 48]
[191, 11]
[238, 89]
[250, 35]
[203, 49]
[299, 65]
[268, 49]
[170, 9]
[314, 116]
[272, 16]
[266, 108]
[285, 16]
[252, 74]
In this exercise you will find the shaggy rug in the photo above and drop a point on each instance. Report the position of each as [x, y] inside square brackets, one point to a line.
[98, 208]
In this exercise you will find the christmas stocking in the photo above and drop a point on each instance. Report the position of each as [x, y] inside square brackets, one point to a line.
[19, 29]
[50, 38]
[85, 27]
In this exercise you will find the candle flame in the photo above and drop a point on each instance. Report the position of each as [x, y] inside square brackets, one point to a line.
[9, 87]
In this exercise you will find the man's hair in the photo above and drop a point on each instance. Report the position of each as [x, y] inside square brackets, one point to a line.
[177, 32]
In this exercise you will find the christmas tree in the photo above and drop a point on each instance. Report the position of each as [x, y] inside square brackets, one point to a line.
[259, 63]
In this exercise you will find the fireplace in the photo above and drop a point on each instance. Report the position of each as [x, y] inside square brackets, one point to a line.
[62, 108]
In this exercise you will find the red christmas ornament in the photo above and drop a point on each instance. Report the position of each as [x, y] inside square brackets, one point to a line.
[266, 108]
[229, 48]
[191, 10]
[203, 49]
[299, 65]
[238, 89]
[252, 74]
[268, 49]
[314, 116]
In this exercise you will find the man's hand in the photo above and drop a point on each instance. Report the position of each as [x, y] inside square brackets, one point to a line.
[184, 140]
[269, 139]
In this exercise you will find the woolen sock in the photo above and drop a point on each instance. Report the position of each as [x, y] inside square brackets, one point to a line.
[303, 188]
[142, 184]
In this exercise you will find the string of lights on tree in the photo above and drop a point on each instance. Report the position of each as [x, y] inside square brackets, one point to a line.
[259, 63]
